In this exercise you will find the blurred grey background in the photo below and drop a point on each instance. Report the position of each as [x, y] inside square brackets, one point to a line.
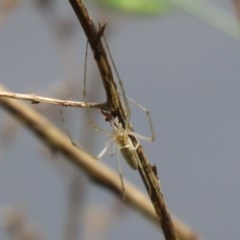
[185, 72]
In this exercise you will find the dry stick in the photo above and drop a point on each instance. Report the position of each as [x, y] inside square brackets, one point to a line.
[114, 105]
[35, 99]
[97, 171]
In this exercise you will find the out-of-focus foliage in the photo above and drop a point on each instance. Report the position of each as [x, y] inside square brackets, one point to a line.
[204, 10]
[237, 7]
[142, 7]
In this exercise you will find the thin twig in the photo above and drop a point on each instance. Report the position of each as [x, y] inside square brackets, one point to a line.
[97, 171]
[35, 99]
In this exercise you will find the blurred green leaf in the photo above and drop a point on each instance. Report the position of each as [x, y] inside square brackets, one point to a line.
[143, 7]
[204, 10]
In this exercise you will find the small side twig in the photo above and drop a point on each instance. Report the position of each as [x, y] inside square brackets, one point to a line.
[35, 99]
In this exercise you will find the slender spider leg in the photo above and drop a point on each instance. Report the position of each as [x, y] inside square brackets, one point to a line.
[85, 72]
[120, 173]
[128, 112]
[69, 134]
[113, 149]
[108, 144]
[100, 129]
[144, 138]
[104, 151]
[126, 98]
[85, 92]
[67, 131]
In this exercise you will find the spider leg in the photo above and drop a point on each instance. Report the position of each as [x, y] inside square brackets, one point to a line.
[144, 138]
[128, 112]
[106, 148]
[120, 173]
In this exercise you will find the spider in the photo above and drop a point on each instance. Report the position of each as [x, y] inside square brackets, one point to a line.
[121, 139]
[121, 136]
